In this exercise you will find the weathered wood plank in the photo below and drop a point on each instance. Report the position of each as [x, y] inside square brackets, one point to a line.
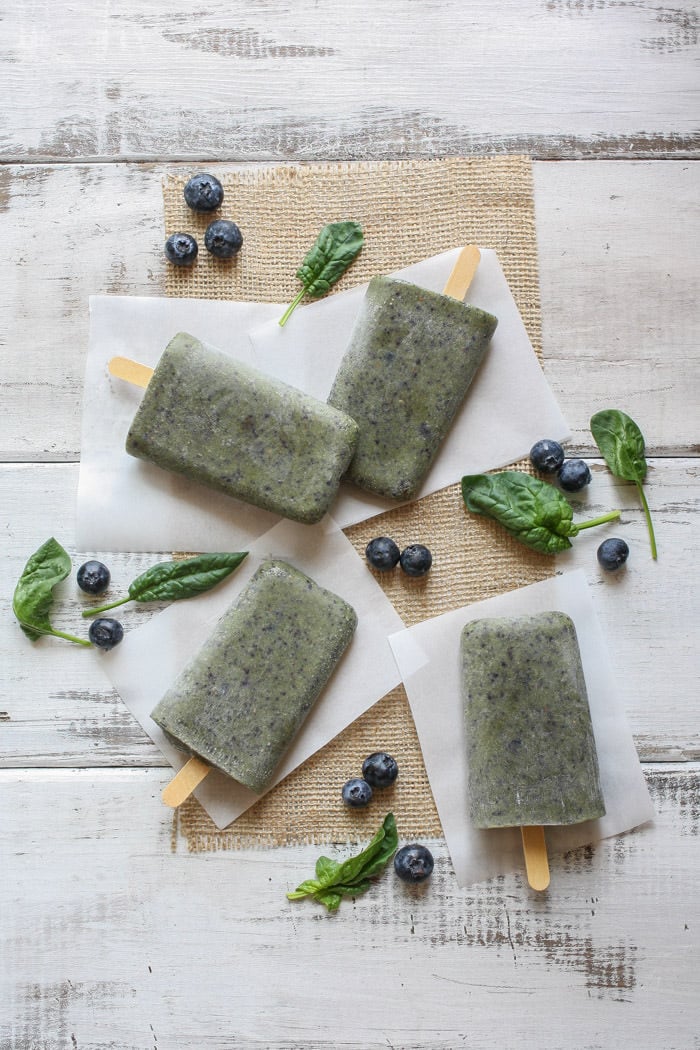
[57, 713]
[241, 81]
[115, 936]
[618, 291]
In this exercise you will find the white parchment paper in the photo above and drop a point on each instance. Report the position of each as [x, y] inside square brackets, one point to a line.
[128, 504]
[428, 658]
[151, 657]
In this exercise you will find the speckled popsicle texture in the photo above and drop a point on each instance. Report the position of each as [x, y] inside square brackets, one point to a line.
[530, 744]
[411, 358]
[244, 696]
[234, 429]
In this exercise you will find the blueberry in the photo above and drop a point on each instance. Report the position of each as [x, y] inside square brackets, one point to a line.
[181, 249]
[574, 475]
[414, 863]
[382, 553]
[547, 456]
[380, 770]
[93, 577]
[203, 192]
[105, 633]
[357, 792]
[416, 559]
[223, 238]
[613, 553]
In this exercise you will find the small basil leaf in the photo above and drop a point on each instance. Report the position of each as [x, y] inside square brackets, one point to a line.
[329, 899]
[173, 580]
[335, 248]
[621, 443]
[33, 595]
[326, 870]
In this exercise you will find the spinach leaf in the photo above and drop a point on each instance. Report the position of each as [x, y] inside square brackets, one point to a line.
[533, 511]
[621, 443]
[337, 245]
[33, 597]
[353, 876]
[171, 580]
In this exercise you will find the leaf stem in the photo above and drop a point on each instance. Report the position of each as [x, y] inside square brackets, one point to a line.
[71, 638]
[647, 515]
[104, 608]
[612, 516]
[292, 306]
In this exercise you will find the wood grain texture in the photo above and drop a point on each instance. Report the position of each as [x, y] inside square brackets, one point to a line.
[125, 940]
[620, 313]
[58, 712]
[357, 80]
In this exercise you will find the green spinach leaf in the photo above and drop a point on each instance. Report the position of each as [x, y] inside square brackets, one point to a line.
[169, 581]
[533, 511]
[621, 443]
[33, 596]
[337, 245]
[353, 876]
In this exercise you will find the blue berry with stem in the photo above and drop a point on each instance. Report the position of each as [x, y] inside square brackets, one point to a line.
[181, 249]
[223, 238]
[414, 863]
[203, 192]
[356, 793]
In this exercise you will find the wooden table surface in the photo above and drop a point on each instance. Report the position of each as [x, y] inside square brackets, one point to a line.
[113, 935]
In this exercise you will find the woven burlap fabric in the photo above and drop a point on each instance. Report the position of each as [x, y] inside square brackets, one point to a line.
[408, 210]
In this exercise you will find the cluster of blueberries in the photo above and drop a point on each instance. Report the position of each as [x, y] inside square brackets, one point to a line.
[548, 457]
[412, 863]
[383, 554]
[222, 238]
[93, 577]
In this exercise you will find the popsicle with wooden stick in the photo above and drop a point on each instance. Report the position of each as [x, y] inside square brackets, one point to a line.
[243, 697]
[530, 745]
[410, 361]
[232, 428]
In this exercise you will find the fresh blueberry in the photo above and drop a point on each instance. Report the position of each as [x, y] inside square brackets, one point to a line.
[613, 553]
[181, 249]
[357, 792]
[105, 633]
[203, 192]
[93, 577]
[547, 456]
[382, 553]
[574, 475]
[414, 863]
[380, 770]
[223, 238]
[416, 559]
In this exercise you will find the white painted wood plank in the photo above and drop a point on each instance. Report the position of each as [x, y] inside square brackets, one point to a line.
[607, 266]
[619, 263]
[57, 713]
[116, 936]
[352, 80]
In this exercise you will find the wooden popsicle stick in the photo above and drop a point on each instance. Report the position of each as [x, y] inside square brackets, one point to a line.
[463, 272]
[131, 371]
[183, 783]
[536, 863]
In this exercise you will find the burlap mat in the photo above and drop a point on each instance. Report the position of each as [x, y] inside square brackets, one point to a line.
[408, 210]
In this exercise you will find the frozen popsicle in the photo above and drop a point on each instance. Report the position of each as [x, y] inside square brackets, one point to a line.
[530, 744]
[237, 430]
[411, 358]
[242, 699]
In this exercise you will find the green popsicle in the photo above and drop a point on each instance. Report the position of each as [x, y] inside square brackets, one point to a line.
[237, 430]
